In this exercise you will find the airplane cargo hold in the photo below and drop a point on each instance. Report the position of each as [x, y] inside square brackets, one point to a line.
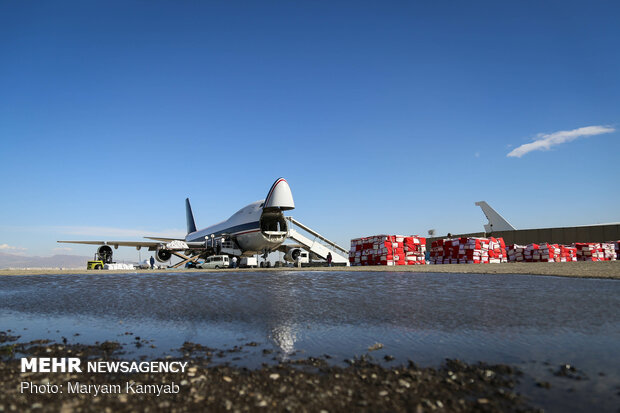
[388, 250]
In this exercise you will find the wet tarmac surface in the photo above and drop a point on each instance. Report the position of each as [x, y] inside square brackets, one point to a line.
[538, 324]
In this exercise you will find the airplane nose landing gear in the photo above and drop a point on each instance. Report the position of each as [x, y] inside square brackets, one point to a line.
[265, 263]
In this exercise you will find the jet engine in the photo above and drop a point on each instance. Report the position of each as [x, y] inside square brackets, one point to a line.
[104, 253]
[292, 254]
[163, 255]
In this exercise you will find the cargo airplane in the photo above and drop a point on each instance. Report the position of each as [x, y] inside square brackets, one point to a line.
[259, 227]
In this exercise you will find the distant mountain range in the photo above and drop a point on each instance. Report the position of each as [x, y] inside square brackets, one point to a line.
[55, 261]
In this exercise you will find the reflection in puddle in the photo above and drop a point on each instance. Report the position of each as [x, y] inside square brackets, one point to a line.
[284, 337]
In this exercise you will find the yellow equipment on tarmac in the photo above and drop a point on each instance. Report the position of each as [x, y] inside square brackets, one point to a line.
[102, 256]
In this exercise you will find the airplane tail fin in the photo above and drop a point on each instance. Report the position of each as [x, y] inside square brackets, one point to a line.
[496, 221]
[191, 224]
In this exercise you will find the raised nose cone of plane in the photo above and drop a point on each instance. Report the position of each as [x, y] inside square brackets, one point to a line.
[280, 196]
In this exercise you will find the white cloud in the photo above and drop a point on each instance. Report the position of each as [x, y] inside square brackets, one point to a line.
[7, 247]
[10, 249]
[63, 249]
[544, 142]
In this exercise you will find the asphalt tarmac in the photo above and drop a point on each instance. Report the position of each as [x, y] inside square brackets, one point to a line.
[579, 269]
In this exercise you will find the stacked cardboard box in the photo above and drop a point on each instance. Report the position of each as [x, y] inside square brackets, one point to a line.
[587, 251]
[548, 253]
[593, 251]
[497, 250]
[468, 251]
[355, 252]
[616, 245]
[531, 253]
[415, 250]
[387, 250]
[515, 253]
[402, 250]
[567, 253]
[557, 253]
[437, 252]
[609, 251]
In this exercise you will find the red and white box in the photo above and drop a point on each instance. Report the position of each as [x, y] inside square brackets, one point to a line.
[387, 250]
[468, 251]
[593, 251]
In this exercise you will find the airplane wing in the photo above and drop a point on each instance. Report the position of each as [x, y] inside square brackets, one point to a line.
[174, 244]
[117, 243]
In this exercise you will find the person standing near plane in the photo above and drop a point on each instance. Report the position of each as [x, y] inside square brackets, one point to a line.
[329, 259]
[234, 262]
[152, 261]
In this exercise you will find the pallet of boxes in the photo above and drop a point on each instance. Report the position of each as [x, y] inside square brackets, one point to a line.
[541, 253]
[594, 251]
[545, 252]
[388, 250]
[468, 250]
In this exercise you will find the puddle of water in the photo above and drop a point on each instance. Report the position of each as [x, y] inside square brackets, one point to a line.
[518, 319]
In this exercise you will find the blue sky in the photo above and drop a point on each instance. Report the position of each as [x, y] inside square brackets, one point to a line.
[385, 117]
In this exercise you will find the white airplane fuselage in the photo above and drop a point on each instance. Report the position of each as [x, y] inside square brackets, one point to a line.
[245, 227]
[257, 227]
[260, 227]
